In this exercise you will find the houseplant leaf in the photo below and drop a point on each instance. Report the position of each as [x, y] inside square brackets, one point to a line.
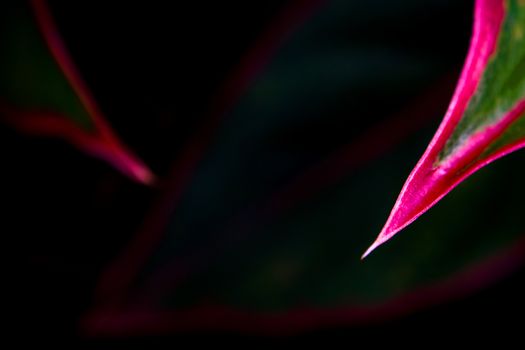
[42, 93]
[485, 120]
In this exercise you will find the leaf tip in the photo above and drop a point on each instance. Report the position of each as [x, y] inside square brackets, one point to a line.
[147, 178]
[380, 240]
[130, 165]
[387, 232]
[143, 175]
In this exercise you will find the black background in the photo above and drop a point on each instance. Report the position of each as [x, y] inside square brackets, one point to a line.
[147, 63]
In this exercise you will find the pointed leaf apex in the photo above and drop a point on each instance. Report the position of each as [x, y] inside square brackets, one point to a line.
[379, 241]
[387, 232]
[370, 250]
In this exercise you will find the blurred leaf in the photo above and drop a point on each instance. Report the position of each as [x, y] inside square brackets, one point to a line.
[42, 93]
[485, 120]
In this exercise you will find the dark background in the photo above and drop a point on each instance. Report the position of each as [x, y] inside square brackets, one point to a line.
[68, 215]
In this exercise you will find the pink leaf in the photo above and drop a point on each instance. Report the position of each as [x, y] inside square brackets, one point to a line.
[484, 120]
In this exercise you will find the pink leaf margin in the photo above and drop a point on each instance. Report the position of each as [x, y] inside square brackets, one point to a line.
[142, 321]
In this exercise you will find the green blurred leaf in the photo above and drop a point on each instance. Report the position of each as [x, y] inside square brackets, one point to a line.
[42, 93]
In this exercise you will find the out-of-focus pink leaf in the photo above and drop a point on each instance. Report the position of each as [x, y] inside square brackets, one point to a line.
[42, 93]
[485, 119]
